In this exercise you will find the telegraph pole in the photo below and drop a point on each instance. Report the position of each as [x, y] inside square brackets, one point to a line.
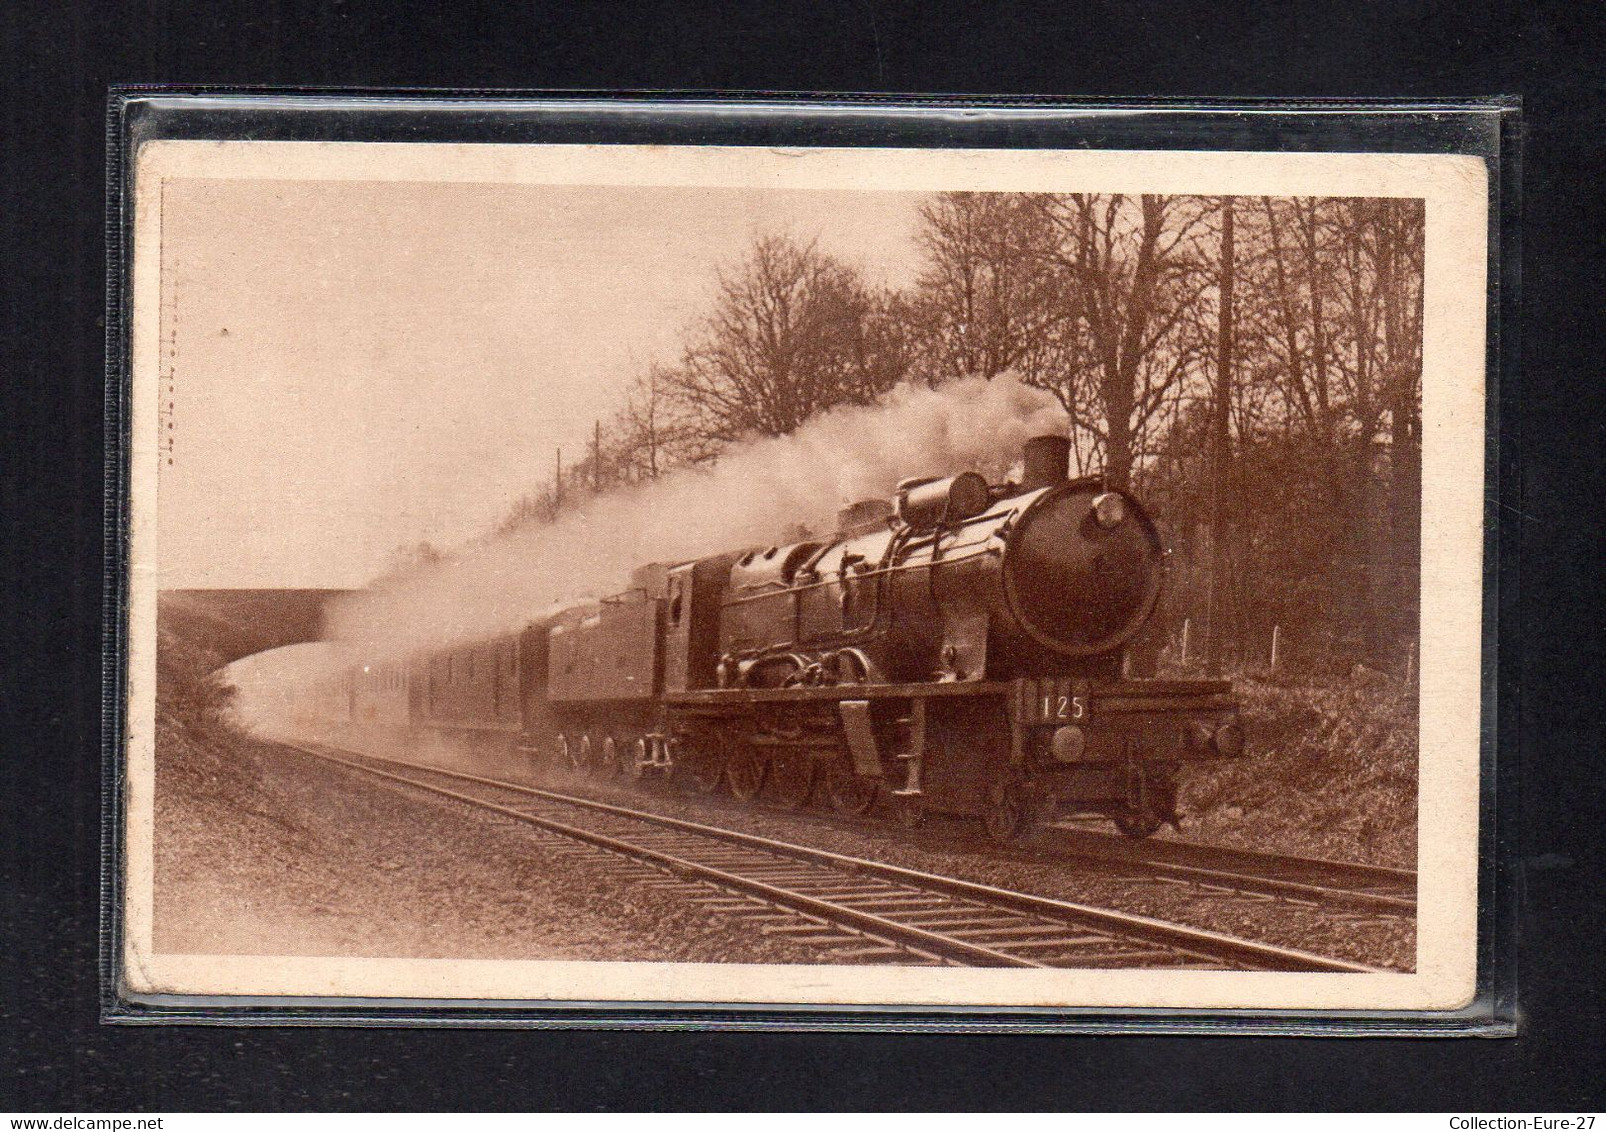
[1221, 448]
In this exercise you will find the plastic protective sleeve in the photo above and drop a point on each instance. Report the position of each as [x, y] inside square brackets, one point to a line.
[1485, 128]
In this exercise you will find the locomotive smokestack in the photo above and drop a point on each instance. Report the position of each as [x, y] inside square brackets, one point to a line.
[1047, 461]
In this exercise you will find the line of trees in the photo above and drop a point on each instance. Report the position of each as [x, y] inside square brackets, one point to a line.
[1251, 366]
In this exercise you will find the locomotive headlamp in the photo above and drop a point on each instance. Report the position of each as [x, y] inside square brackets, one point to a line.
[1109, 509]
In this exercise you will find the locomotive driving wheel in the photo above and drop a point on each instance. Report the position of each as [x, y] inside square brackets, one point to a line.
[746, 773]
[850, 793]
[850, 667]
[608, 764]
[791, 780]
[700, 764]
[571, 754]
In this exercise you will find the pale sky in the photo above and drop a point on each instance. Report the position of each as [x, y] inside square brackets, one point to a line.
[361, 365]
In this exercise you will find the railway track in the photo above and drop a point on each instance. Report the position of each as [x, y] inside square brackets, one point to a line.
[846, 908]
[1372, 890]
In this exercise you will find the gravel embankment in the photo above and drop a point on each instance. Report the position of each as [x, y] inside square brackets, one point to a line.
[301, 858]
[959, 848]
[304, 858]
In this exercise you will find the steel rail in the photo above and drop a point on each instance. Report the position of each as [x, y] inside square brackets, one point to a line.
[1195, 943]
[1259, 883]
[862, 921]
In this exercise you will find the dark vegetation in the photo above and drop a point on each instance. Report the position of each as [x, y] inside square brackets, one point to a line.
[1332, 772]
[198, 745]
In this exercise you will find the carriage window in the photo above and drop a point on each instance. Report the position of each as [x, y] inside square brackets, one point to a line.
[676, 601]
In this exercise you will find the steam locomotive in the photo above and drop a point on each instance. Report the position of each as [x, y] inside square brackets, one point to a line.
[957, 649]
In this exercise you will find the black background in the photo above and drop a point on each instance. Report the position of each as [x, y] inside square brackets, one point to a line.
[56, 62]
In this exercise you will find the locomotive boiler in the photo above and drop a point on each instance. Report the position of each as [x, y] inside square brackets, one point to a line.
[953, 581]
[958, 648]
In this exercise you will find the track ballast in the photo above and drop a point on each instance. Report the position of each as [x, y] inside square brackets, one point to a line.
[848, 909]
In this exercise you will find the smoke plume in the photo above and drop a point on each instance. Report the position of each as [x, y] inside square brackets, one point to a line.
[753, 496]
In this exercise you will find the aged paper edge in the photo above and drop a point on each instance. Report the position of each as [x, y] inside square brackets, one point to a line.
[1456, 194]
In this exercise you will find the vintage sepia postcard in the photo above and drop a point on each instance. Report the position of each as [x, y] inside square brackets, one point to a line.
[838, 577]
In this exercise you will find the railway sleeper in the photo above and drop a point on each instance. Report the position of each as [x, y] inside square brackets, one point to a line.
[825, 890]
[1071, 947]
[893, 906]
[1026, 931]
[875, 953]
[964, 928]
[1125, 958]
[812, 933]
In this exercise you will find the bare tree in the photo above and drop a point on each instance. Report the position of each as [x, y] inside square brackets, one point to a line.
[652, 433]
[793, 332]
[1397, 250]
[1131, 279]
[1095, 298]
[985, 299]
[1320, 489]
[1221, 436]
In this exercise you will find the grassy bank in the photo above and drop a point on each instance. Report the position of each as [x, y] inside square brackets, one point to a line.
[198, 744]
[1331, 771]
